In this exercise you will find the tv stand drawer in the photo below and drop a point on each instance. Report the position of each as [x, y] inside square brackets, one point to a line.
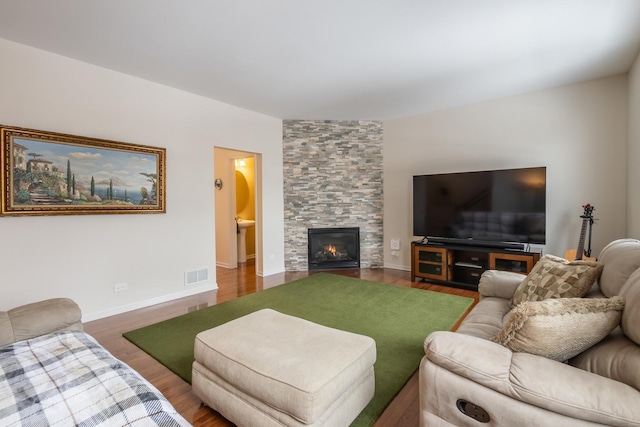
[466, 275]
[475, 258]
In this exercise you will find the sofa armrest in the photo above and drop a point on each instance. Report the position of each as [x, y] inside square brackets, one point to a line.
[39, 318]
[535, 380]
[501, 284]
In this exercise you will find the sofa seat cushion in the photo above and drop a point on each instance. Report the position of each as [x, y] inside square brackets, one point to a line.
[486, 318]
[615, 357]
[560, 328]
[555, 277]
[295, 366]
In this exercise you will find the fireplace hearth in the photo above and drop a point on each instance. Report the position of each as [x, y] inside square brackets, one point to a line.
[333, 248]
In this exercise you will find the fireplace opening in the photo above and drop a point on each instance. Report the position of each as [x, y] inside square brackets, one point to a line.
[333, 248]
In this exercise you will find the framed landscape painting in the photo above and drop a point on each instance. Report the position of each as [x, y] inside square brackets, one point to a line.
[47, 173]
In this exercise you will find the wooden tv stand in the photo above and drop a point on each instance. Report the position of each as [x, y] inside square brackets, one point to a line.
[461, 265]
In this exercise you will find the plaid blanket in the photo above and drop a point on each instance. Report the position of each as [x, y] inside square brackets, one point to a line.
[68, 379]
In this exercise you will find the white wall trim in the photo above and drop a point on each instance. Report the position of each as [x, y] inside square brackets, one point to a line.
[147, 303]
[270, 272]
[397, 267]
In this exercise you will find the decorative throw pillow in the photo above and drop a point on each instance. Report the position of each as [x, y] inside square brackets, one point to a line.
[560, 328]
[555, 277]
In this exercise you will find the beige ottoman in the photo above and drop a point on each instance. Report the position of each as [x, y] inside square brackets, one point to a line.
[271, 369]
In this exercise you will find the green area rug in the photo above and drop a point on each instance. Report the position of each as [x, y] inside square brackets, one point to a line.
[397, 318]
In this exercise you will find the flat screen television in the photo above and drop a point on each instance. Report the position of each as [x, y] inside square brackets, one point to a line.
[484, 207]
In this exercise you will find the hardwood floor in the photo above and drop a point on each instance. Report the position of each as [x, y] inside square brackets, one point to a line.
[402, 412]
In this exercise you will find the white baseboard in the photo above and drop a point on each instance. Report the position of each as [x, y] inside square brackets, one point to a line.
[147, 303]
[397, 267]
[266, 273]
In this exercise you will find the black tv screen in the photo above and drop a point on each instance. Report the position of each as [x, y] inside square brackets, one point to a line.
[506, 205]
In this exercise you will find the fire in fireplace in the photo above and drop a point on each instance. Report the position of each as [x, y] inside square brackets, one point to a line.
[333, 248]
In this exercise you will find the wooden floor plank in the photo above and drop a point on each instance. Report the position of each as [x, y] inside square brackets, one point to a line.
[233, 283]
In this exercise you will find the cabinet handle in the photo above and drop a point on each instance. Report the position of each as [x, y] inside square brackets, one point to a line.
[475, 258]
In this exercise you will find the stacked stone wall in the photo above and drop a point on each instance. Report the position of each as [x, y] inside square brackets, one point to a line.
[332, 178]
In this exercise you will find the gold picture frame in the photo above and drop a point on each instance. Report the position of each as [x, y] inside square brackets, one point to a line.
[49, 173]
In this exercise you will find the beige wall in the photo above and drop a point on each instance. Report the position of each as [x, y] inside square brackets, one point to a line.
[82, 257]
[578, 132]
[633, 159]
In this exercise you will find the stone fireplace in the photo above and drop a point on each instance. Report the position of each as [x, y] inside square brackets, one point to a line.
[333, 248]
[332, 173]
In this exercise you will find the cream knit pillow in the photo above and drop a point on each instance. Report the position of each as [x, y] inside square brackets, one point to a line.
[555, 277]
[560, 328]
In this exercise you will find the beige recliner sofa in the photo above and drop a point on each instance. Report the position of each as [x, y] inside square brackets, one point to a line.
[465, 371]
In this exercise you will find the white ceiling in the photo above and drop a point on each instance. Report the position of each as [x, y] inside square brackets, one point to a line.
[339, 59]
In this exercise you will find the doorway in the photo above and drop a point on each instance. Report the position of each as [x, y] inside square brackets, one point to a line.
[237, 176]
[245, 208]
